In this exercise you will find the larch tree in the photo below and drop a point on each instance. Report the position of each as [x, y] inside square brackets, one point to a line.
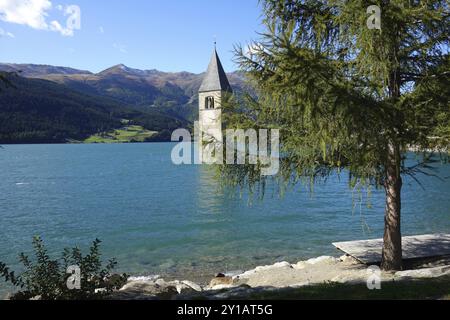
[348, 96]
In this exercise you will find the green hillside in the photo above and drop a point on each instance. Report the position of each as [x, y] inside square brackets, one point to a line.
[41, 111]
[128, 133]
[171, 93]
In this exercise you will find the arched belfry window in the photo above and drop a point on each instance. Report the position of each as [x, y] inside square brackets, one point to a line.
[209, 103]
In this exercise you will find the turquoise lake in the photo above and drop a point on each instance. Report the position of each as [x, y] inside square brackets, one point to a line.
[158, 218]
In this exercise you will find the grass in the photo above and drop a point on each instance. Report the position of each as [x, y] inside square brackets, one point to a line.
[125, 134]
[426, 289]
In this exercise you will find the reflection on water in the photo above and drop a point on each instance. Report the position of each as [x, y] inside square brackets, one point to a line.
[210, 195]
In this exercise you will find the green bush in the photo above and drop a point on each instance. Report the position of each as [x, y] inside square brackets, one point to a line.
[47, 279]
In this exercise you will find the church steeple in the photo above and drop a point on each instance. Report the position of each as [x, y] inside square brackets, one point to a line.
[213, 89]
[215, 77]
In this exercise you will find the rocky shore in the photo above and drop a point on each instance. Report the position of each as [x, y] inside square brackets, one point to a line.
[278, 276]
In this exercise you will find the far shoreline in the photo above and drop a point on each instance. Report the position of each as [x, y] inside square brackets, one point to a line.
[81, 143]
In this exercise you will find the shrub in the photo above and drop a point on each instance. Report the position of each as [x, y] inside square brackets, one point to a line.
[48, 279]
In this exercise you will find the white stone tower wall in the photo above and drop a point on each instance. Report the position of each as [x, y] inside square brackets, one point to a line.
[210, 120]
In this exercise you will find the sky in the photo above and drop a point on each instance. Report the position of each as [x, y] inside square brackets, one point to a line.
[168, 35]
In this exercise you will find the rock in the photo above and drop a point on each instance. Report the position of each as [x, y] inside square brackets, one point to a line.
[300, 265]
[275, 266]
[299, 285]
[168, 294]
[231, 292]
[221, 281]
[249, 273]
[246, 274]
[193, 285]
[140, 290]
[424, 273]
[283, 264]
[222, 286]
[184, 288]
[348, 279]
[161, 282]
[136, 286]
[144, 278]
[220, 275]
[320, 260]
[323, 259]
[233, 273]
[348, 259]
[227, 281]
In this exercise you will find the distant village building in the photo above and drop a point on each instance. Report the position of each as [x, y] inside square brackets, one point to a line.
[214, 86]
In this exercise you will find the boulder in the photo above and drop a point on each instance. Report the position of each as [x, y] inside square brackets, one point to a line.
[233, 273]
[424, 273]
[277, 265]
[323, 259]
[161, 283]
[347, 259]
[147, 290]
[349, 279]
[244, 275]
[144, 278]
[300, 265]
[193, 285]
[184, 288]
[221, 287]
[221, 281]
[299, 285]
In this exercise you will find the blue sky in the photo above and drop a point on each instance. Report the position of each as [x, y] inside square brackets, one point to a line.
[175, 35]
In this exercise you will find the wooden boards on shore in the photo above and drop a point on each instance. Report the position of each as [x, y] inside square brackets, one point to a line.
[414, 247]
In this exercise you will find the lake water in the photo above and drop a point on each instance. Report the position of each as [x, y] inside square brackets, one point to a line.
[158, 218]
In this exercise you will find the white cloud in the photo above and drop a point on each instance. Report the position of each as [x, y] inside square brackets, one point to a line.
[122, 48]
[101, 30]
[4, 33]
[56, 26]
[34, 14]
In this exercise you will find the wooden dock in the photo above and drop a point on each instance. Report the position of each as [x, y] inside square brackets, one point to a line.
[414, 247]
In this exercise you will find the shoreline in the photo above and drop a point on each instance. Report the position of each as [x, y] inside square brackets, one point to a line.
[279, 276]
[274, 279]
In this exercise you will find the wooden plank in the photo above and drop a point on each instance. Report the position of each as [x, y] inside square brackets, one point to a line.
[423, 246]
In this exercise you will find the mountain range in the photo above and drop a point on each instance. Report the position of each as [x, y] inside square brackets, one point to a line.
[160, 100]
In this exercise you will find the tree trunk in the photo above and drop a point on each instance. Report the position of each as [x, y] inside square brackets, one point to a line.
[392, 244]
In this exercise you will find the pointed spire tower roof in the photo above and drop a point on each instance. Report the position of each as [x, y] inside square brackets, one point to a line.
[215, 78]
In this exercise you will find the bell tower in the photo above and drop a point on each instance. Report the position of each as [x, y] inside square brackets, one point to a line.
[212, 90]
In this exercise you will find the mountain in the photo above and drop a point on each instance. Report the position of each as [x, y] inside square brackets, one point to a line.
[36, 70]
[41, 111]
[174, 94]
